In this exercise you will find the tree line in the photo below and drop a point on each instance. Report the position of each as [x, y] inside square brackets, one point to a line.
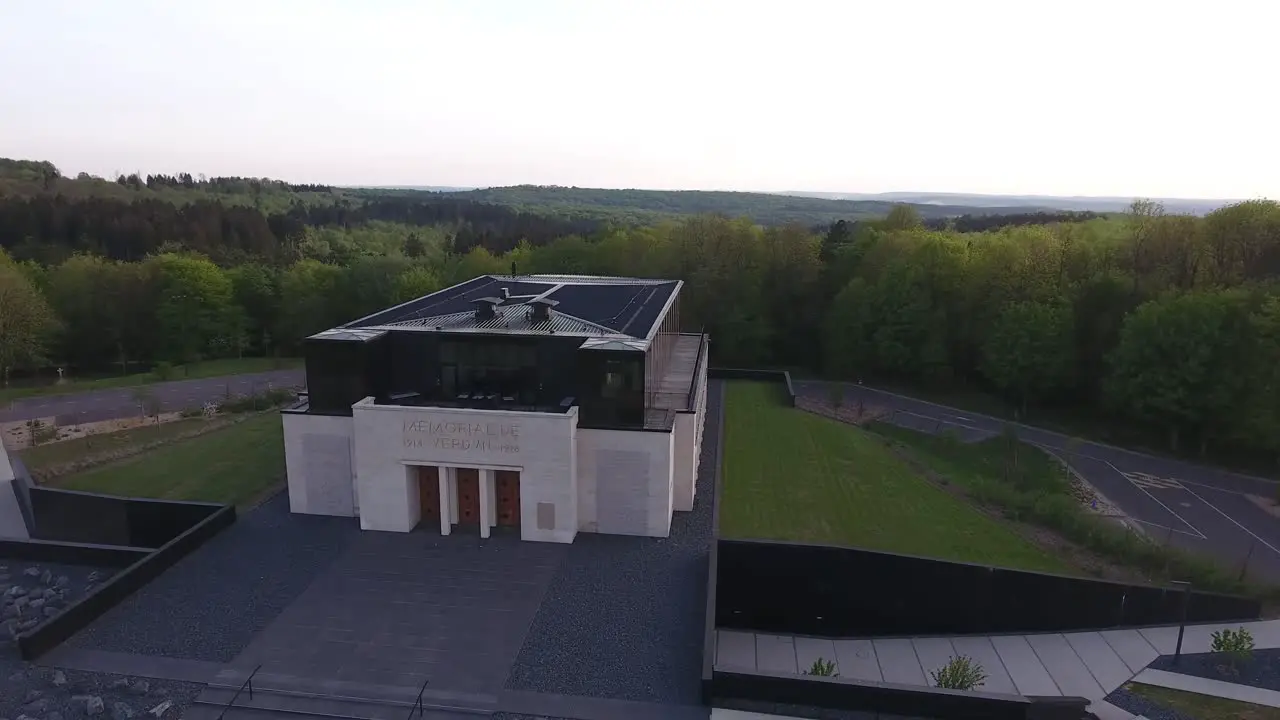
[1165, 323]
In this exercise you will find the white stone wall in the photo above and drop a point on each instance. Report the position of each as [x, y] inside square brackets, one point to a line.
[538, 445]
[317, 457]
[625, 481]
[12, 524]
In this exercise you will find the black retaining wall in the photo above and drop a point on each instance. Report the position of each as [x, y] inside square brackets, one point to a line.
[759, 691]
[830, 591]
[71, 553]
[81, 517]
[214, 518]
[778, 376]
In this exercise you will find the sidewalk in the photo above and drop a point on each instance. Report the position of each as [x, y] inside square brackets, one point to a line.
[1084, 664]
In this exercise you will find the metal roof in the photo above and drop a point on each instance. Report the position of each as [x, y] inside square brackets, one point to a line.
[589, 306]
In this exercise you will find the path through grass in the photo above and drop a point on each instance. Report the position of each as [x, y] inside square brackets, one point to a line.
[791, 475]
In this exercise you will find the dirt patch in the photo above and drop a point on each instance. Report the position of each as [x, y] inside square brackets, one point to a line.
[855, 413]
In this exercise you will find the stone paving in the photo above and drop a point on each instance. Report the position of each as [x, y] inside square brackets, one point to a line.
[395, 610]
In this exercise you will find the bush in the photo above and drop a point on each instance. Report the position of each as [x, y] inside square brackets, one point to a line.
[259, 401]
[1235, 645]
[960, 673]
[163, 370]
[822, 668]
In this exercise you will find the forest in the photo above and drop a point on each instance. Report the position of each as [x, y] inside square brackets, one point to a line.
[1166, 325]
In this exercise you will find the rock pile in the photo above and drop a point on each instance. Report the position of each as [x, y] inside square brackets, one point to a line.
[31, 597]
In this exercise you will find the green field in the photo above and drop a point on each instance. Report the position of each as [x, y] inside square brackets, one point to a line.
[791, 475]
[206, 369]
[234, 465]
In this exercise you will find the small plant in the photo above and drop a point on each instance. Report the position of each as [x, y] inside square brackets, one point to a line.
[1235, 645]
[163, 370]
[960, 673]
[822, 668]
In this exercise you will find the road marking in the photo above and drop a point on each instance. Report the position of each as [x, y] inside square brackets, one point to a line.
[1170, 529]
[1157, 501]
[1234, 521]
[1147, 480]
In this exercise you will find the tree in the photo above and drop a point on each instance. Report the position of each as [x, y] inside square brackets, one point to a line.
[413, 283]
[1182, 364]
[902, 217]
[1029, 351]
[194, 309]
[27, 323]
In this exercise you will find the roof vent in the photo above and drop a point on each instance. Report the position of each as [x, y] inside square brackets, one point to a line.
[506, 293]
[484, 308]
[541, 309]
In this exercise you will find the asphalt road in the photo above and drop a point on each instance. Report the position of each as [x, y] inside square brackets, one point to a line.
[1202, 509]
[97, 405]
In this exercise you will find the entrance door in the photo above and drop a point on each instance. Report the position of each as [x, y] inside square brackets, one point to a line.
[429, 494]
[507, 488]
[468, 496]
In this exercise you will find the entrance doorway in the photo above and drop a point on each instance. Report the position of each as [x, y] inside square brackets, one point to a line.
[429, 494]
[468, 496]
[507, 489]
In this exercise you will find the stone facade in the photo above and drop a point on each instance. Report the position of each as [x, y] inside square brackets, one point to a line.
[572, 479]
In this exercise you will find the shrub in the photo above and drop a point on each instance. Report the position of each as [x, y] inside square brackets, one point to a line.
[1235, 645]
[822, 668]
[960, 673]
[163, 370]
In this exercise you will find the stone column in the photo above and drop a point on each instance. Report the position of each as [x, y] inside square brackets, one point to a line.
[446, 506]
[486, 496]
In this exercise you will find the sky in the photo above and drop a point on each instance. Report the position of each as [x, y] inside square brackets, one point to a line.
[1123, 98]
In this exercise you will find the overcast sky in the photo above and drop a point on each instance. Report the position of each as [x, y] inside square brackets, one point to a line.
[1121, 97]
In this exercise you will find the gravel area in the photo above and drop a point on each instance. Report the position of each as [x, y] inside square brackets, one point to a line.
[48, 694]
[209, 605]
[817, 713]
[1262, 671]
[31, 592]
[623, 618]
[1139, 705]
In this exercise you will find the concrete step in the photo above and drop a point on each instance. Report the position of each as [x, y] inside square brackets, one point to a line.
[278, 703]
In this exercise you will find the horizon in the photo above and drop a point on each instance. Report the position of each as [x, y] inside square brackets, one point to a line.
[706, 96]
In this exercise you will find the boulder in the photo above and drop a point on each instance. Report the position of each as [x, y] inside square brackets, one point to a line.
[32, 572]
[121, 711]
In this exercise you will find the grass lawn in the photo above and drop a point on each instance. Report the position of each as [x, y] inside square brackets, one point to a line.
[791, 475]
[54, 454]
[232, 465]
[1203, 707]
[206, 369]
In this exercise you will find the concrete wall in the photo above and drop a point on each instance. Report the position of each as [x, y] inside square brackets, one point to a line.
[317, 457]
[626, 481]
[539, 445]
[688, 433]
[12, 523]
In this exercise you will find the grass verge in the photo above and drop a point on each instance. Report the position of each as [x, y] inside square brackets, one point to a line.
[206, 369]
[1203, 707]
[43, 458]
[235, 465]
[791, 475]
[1028, 486]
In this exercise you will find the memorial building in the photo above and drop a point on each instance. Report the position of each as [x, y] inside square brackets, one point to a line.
[541, 404]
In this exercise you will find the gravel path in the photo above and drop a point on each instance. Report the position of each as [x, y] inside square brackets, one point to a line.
[209, 605]
[623, 618]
